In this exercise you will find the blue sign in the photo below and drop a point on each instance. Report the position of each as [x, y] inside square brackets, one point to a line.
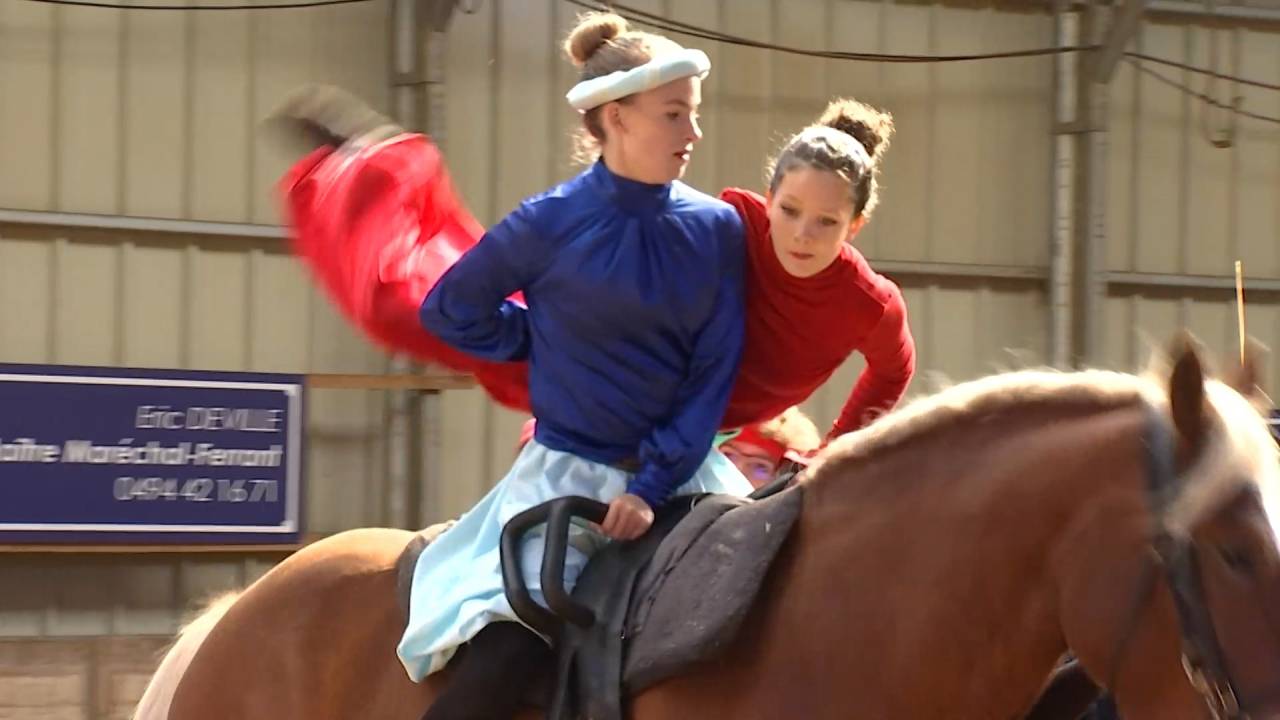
[100, 455]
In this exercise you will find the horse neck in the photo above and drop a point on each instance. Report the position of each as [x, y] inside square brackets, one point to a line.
[928, 575]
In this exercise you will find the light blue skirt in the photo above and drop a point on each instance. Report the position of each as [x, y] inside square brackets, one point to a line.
[457, 584]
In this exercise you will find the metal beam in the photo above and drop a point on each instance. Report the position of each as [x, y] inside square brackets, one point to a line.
[1138, 281]
[140, 224]
[1124, 23]
[249, 230]
[1195, 9]
[960, 270]
[431, 382]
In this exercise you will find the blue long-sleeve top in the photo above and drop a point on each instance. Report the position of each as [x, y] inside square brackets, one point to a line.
[634, 325]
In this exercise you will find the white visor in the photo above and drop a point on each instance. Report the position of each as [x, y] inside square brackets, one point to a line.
[658, 71]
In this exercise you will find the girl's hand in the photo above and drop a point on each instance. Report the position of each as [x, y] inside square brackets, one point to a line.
[628, 518]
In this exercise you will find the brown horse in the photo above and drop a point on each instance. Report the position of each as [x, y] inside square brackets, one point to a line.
[944, 561]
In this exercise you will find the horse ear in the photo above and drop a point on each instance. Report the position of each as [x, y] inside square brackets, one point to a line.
[1246, 377]
[1186, 392]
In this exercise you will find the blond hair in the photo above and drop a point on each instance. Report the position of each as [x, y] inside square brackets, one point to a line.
[793, 430]
[600, 44]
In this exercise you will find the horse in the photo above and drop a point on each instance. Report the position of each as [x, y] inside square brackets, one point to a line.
[944, 560]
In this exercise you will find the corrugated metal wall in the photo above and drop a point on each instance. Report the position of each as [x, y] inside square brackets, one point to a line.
[153, 114]
[1178, 206]
[966, 180]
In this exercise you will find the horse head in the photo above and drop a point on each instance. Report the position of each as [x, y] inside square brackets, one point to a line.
[1199, 633]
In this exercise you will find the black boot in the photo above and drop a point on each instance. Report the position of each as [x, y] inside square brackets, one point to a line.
[1104, 709]
[1068, 695]
[316, 115]
[495, 674]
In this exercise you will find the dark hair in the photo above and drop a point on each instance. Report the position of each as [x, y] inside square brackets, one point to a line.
[832, 143]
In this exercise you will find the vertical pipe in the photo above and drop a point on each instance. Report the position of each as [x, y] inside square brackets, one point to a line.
[405, 37]
[429, 417]
[401, 440]
[1062, 183]
[1095, 236]
[1089, 278]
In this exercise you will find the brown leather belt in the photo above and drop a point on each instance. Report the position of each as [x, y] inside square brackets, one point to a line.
[630, 465]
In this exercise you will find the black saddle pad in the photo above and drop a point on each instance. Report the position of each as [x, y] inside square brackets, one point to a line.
[691, 600]
[671, 599]
[675, 597]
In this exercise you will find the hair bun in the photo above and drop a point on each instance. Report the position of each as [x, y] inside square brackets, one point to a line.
[872, 128]
[591, 34]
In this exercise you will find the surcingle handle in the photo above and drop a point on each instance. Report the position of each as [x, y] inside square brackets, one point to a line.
[557, 514]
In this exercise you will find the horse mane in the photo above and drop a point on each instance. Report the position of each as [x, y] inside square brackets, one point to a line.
[991, 394]
[1239, 450]
[1240, 453]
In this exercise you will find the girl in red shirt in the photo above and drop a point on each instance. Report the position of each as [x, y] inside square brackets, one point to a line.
[812, 299]
[375, 216]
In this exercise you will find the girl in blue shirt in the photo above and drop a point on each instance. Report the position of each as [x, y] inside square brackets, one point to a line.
[633, 330]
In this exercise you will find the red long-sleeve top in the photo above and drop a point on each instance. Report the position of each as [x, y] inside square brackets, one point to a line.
[378, 228]
[801, 330]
